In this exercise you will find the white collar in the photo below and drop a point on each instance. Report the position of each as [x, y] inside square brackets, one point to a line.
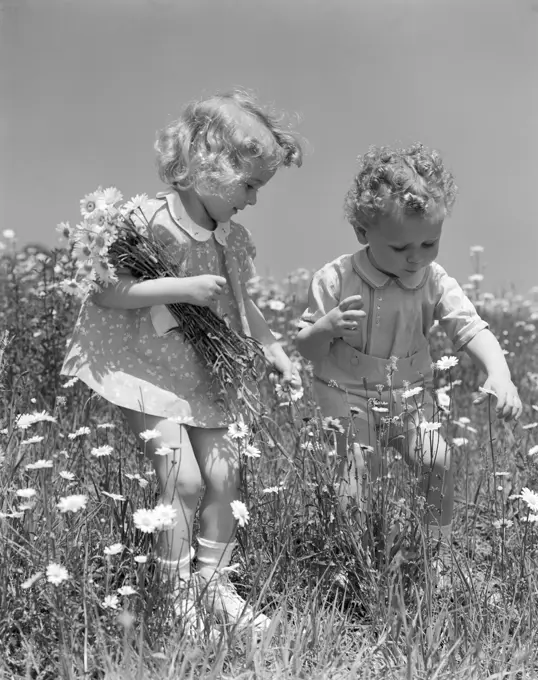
[378, 279]
[181, 218]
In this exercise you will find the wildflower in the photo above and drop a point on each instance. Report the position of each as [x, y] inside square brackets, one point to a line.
[144, 520]
[72, 503]
[429, 427]
[443, 400]
[530, 498]
[502, 523]
[33, 440]
[147, 435]
[56, 573]
[79, 433]
[252, 451]
[25, 420]
[484, 390]
[64, 232]
[240, 512]
[238, 430]
[70, 383]
[533, 450]
[332, 424]
[105, 426]
[411, 392]
[276, 305]
[271, 489]
[127, 590]
[476, 278]
[111, 602]
[463, 421]
[476, 249]
[89, 203]
[460, 441]
[112, 196]
[446, 362]
[100, 451]
[114, 549]
[530, 426]
[164, 451]
[30, 582]
[136, 202]
[141, 559]
[165, 516]
[114, 496]
[40, 464]
[26, 493]
[65, 474]
[142, 483]
[8, 234]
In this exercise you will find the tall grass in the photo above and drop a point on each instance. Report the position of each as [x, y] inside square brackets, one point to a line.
[346, 602]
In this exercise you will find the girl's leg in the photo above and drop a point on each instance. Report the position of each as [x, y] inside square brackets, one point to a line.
[219, 461]
[179, 481]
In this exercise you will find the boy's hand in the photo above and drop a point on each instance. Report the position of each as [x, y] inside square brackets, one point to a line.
[345, 320]
[503, 389]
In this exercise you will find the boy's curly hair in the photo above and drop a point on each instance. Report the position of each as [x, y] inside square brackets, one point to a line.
[212, 143]
[412, 180]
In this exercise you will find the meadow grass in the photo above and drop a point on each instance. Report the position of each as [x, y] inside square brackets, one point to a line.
[346, 602]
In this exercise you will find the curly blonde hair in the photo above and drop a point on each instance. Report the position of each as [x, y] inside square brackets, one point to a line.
[413, 181]
[213, 142]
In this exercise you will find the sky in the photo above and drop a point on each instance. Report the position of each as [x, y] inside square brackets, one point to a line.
[86, 84]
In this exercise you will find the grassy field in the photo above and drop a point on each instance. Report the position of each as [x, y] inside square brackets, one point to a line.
[345, 603]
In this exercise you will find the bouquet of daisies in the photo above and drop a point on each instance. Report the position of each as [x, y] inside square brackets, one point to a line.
[116, 238]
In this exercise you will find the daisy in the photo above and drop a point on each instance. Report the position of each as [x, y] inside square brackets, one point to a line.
[484, 390]
[240, 512]
[106, 426]
[110, 602]
[33, 440]
[114, 496]
[8, 234]
[429, 427]
[82, 252]
[79, 433]
[64, 232]
[147, 435]
[460, 441]
[26, 493]
[136, 202]
[165, 516]
[72, 503]
[333, 424]
[252, 451]
[127, 590]
[412, 392]
[446, 363]
[26, 419]
[114, 549]
[70, 383]
[164, 451]
[502, 523]
[141, 559]
[533, 450]
[100, 451]
[30, 582]
[276, 305]
[271, 489]
[70, 287]
[530, 498]
[56, 573]
[90, 202]
[238, 430]
[39, 465]
[476, 278]
[144, 520]
[111, 195]
[65, 474]
[530, 426]
[104, 271]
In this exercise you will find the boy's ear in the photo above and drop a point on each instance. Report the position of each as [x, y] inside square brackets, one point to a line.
[361, 233]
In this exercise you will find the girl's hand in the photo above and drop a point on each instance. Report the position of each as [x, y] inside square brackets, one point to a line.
[202, 290]
[289, 375]
[345, 320]
[508, 402]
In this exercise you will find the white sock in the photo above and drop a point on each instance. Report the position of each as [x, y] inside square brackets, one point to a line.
[181, 568]
[213, 556]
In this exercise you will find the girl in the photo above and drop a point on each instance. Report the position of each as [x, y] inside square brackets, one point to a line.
[369, 315]
[215, 158]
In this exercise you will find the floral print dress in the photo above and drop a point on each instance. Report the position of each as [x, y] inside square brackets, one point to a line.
[129, 357]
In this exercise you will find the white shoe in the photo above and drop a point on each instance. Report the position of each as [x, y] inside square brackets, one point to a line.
[221, 599]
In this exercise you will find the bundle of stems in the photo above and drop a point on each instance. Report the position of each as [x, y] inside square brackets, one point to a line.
[235, 360]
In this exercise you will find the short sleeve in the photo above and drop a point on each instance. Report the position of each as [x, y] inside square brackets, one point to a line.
[175, 242]
[244, 251]
[323, 295]
[456, 314]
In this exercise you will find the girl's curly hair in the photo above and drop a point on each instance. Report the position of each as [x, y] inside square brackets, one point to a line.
[212, 144]
[412, 180]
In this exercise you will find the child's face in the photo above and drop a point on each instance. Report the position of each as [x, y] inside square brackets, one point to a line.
[238, 196]
[403, 244]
